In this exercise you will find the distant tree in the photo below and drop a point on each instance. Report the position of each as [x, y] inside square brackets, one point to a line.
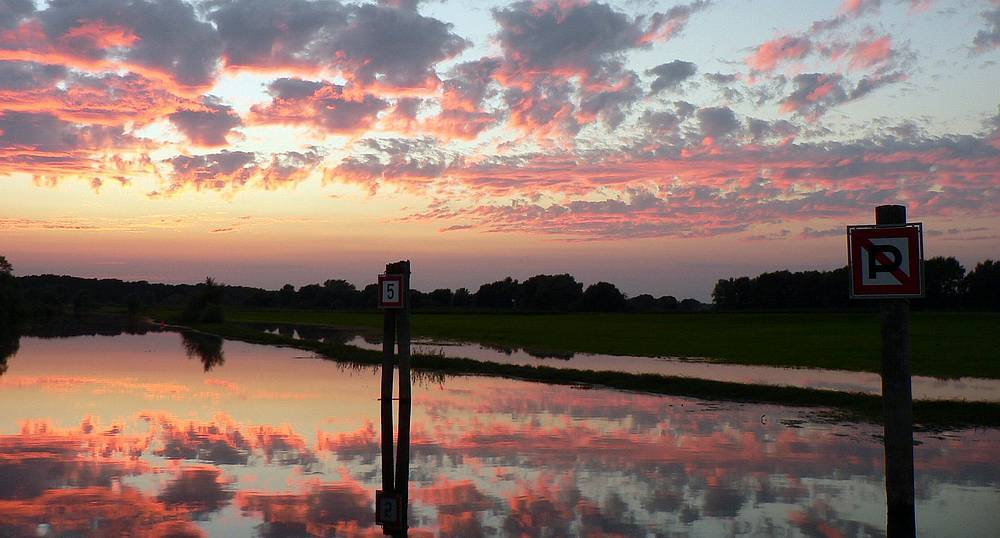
[286, 295]
[691, 305]
[499, 294]
[724, 294]
[641, 303]
[369, 296]
[550, 292]
[310, 296]
[81, 303]
[943, 278]
[9, 303]
[441, 297]
[205, 305]
[418, 299]
[982, 286]
[340, 294]
[603, 297]
[462, 298]
[667, 302]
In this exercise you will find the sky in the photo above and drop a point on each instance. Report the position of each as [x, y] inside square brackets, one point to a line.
[656, 145]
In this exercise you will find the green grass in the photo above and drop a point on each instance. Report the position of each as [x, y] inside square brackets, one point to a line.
[944, 344]
[928, 415]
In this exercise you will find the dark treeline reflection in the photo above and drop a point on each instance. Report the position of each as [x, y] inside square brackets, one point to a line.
[10, 342]
[207, 348]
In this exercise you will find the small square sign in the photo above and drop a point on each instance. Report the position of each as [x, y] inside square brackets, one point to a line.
[387, 509]
[390, 291]
[886, 261]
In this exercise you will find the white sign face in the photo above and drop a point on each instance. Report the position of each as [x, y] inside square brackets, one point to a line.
[891, 252]
[390, 291]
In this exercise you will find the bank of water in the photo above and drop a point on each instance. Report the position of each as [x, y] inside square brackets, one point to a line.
[162, 433]
[971, 389]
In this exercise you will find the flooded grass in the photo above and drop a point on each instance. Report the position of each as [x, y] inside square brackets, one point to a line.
[945, 344]
[931, 415]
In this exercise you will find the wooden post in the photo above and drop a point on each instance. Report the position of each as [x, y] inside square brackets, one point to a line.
[897, 401]
[388, 367]
[403, 454]
[395, 466]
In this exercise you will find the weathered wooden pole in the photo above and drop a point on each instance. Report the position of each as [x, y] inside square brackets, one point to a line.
[392, 500]
[388, 369]
[897, 400]
[403, 452]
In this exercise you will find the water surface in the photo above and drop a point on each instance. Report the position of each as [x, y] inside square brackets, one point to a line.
[160, 434]
[924, 387]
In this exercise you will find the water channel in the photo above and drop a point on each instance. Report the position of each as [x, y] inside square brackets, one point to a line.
[161, 433]
[924, 387]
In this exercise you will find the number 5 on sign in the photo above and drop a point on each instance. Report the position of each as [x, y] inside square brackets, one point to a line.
[390, 291]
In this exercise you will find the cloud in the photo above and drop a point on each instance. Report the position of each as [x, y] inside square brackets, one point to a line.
[290, 167]
[104, 99]
[716, 122]
[671, 74]
[856, 8]
[42, 144]
[162, 40]
[390, 47]
[698, 191]
[989, 37]
[408, 163]
[232, 171]
[469, 84]
[319, 104]
[870, 53]
[214, 171]
[207, 126]
[814, 93]
[563, 62]
[13, 11]
[768, 55]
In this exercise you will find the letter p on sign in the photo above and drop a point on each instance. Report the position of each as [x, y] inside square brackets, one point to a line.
[886, 261]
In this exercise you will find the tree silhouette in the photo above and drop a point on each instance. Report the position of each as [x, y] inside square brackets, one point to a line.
[982, 286]
[207, 348]
[603, 297]
[205, 306]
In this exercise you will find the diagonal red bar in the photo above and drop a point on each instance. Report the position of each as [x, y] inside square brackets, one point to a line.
[882, 258]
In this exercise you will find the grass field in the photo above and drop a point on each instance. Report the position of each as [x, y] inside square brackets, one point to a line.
[944, 344]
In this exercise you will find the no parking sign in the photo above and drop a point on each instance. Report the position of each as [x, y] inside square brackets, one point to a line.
[886, 261]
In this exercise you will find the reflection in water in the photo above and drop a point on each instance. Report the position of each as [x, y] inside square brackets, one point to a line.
[10, 342]
[924, 388]
[207, 347]
[95, 442]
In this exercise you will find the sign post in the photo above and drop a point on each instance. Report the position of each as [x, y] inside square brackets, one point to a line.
[392, 500]
[886, 263]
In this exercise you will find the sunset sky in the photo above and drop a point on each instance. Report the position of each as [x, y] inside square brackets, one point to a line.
[656, 145]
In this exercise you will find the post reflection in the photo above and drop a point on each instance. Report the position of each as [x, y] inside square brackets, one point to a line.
[160, 450]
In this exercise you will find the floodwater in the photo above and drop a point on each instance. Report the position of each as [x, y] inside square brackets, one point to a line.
[158, 433]
[924, 388]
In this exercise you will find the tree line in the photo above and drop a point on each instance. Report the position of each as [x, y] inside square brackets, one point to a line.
[947, 285]
[48, 296]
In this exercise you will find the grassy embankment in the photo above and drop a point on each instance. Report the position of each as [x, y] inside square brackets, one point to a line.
[944, 344]
[930, 414]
